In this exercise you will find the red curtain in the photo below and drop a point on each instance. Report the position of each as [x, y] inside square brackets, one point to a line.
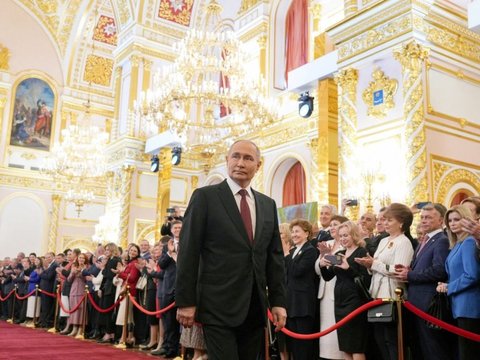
[296, 35]
[294, 186]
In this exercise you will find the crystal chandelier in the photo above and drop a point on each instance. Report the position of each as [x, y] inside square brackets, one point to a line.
[78, 157]
[207, 98]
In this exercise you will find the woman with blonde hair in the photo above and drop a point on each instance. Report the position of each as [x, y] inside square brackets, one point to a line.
[353, 336]
[286, 237]
[329, 343]
[396, 249]
[463, 270]
[107, 291]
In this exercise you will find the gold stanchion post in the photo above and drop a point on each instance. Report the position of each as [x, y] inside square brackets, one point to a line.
[55, 316]
[13, 304]
[399, 300]
[81, 334]
[34, 319]
[122, 344]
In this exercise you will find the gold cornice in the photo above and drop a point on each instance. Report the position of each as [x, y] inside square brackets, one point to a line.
[260, 29]
[150, 51]
[358, 13]
[67, 105]
[435, 157]
[442, 124]
[25, 180]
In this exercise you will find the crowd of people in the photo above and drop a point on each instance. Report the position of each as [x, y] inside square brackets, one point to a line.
[223, 265]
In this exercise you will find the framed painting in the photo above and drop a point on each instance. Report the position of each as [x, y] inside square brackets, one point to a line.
[32, 116]
[307, 211]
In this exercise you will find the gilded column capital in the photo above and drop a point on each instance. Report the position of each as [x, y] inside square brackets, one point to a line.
[412, 56]
[135, 60]
[147, 65]
[262, 41]
[347, 79]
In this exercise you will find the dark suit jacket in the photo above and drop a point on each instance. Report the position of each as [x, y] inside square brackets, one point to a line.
[301, 282]
[169, 267]
[107, 286]
[47, 278]
[217, 266]
[427, 269]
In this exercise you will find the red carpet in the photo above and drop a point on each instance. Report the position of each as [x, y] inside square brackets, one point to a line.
[18, 342]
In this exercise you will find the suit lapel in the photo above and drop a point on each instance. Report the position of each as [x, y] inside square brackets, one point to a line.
[259, 214]
[231, 208]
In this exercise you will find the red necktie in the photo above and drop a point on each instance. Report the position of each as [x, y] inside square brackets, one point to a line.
[245, 213]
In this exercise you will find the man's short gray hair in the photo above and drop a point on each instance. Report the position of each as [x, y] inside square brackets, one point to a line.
[333, 208]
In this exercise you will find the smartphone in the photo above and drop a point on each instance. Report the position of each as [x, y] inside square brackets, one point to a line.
[422, 204]
[334, 259]
[352, 202]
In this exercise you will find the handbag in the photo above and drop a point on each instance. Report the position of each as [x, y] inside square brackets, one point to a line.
[141, 282]
[384, 313]
[439, 308]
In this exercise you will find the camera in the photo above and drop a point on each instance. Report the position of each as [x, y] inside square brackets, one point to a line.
[352, 202]
[170, 210]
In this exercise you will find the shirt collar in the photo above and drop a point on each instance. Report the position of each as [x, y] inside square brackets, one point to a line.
[235, 188]
[433, 233]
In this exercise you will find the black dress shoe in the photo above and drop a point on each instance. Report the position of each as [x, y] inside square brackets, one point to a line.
[161, 352]
[106, 341]
[147, 347]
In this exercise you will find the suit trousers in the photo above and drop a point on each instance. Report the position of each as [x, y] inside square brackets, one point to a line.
[171, 338]
[302, 349]
[434, 344]
[243, 342]
[468, 349]
[386, 337]
[47, 309]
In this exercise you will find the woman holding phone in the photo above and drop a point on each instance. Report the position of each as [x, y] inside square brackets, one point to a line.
[353, 336]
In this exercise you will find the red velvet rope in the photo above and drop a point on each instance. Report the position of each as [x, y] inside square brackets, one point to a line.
[442, 324]
[47, 293]
[145, 311]
[59, 299]
[6, 297]
[99, 309]
[24, 297]
[334, 327]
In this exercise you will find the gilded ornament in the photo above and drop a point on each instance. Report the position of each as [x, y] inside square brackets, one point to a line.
[454, 177]
[4, 58]
[98, 70]
[379, 94]
[47, 6]
[106, 30]
[178, 11]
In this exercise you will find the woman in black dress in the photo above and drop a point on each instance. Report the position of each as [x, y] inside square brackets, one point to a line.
[353, 336]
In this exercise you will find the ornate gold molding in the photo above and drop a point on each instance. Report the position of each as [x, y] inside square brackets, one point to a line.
[378, 96]
[412, 57]
[98, 70]
[53, 231]
[247, 5]
[454, 177]
[347, 81]
[125, 196]
[4, 58]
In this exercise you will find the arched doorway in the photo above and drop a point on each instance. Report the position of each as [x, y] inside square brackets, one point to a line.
[294, 186]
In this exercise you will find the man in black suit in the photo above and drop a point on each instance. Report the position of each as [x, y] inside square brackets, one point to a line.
[426, 270]
[230, 252]
[47, 281]
[326, 213]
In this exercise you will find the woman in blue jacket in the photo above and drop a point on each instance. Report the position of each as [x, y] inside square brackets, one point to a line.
[463, 269]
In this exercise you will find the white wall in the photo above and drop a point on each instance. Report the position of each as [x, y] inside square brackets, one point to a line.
[23, 222]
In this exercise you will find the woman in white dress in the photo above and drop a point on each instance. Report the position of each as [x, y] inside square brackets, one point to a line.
[328, 343]
[392, 251]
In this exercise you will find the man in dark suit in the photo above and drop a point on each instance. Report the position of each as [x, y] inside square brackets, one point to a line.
[47, 281]
[326, 213]
[426, 270]
[230, 252]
